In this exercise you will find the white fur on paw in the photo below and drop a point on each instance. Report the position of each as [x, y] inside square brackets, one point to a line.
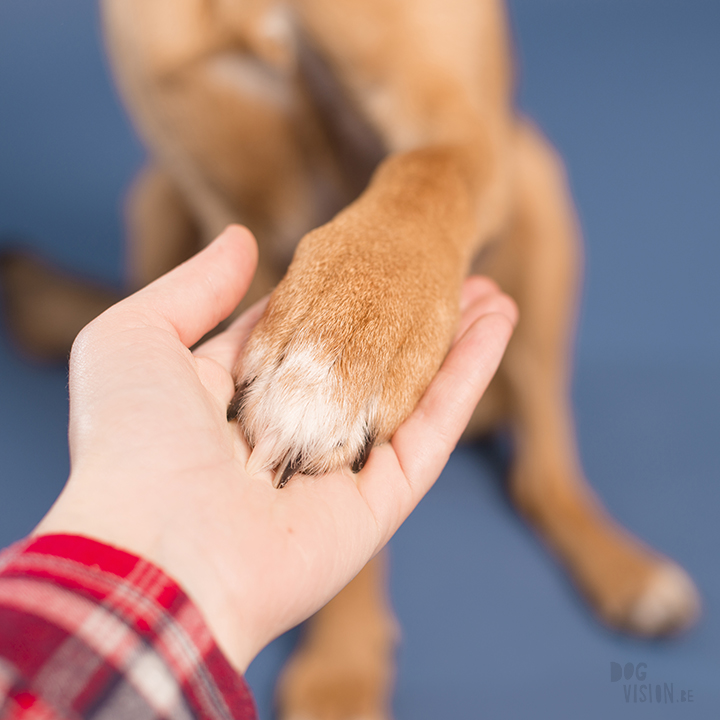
[297, 413]
[670, 603]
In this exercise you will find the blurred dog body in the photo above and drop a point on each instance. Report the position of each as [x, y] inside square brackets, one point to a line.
[382, 135]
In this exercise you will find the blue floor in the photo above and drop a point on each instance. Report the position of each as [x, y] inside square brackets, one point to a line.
[629, 90]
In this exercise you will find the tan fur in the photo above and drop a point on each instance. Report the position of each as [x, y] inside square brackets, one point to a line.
[277, 115]
[344, 666]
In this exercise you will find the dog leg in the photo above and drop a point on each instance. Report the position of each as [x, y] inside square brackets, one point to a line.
[364, 317]
[45, 307]
[630, 586]
[345, 667]
[162, 231]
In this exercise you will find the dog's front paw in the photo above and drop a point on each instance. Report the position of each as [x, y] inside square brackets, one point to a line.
[341, 356]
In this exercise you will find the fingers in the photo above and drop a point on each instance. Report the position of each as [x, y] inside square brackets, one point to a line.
[194, 297]
[424, 442]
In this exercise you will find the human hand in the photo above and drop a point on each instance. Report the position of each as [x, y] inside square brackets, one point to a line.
[159, 471]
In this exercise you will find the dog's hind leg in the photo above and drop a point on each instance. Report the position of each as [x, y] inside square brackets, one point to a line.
[45, 307]
[630, 586]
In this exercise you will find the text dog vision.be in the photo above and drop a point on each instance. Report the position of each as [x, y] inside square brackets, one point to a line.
[645, 692]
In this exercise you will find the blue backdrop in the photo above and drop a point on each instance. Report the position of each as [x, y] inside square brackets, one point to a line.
[629, 91]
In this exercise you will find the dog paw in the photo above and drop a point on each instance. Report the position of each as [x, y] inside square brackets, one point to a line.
[669, 603]
[646, 594]
[316, 687]
[341, 356]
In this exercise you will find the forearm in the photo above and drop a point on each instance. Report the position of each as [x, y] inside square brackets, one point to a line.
[85, 626]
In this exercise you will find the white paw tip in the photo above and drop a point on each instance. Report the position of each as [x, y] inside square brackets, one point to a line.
[669, 604]
[301, 415]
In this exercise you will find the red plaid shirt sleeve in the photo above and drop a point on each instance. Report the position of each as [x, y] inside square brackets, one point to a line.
[90, 631]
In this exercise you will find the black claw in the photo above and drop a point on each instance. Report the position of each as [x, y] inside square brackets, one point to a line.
[362, 457]
[236, 403]
[282, 479]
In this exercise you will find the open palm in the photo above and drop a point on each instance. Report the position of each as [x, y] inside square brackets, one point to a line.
[158, 470]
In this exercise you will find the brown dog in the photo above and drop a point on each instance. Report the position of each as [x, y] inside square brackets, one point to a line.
[382, 132]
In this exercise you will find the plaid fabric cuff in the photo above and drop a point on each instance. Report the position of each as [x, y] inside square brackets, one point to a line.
[90, 631]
